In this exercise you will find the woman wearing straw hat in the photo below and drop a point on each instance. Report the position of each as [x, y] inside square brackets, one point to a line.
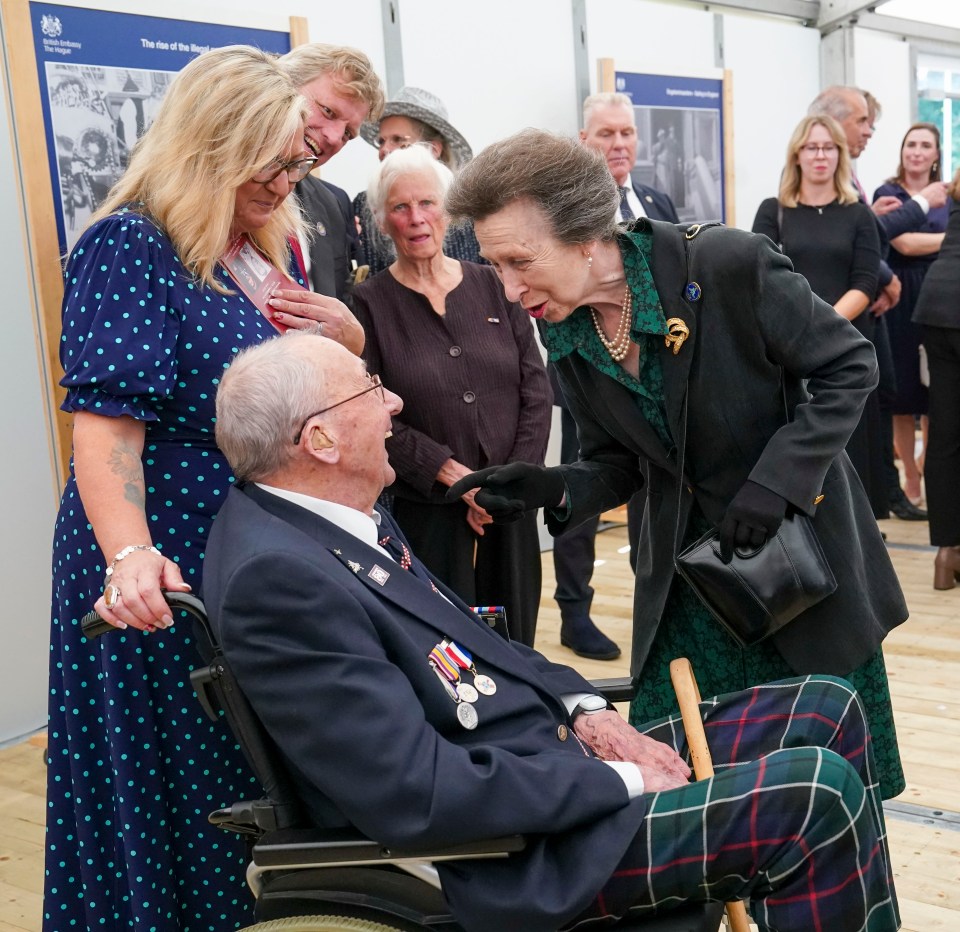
[415, 115]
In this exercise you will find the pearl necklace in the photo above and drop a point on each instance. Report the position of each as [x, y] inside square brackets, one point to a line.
[619, 346]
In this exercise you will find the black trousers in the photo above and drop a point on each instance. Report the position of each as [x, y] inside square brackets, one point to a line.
[574, 550]
[500, 568]
[942, 465]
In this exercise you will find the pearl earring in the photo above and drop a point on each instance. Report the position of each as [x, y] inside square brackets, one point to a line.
[589, 262]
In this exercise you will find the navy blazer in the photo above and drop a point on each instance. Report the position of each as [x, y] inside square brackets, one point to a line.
[333, 657]
[758, 337]
[330, 224]
[657, 205]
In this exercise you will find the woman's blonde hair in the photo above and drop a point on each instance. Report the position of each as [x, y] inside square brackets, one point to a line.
[226, 115]
[842, 177]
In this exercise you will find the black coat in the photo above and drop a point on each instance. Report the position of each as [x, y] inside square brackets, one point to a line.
[938, 304]
[757, 323]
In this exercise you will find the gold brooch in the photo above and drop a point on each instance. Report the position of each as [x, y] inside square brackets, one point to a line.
[679, 331]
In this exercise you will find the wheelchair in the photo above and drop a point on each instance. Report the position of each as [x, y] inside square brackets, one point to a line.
[307, 879]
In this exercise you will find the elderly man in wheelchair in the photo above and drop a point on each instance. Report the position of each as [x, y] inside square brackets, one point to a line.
[393, 710]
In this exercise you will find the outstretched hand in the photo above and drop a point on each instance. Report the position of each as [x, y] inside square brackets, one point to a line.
[506, 492]
[611, 738]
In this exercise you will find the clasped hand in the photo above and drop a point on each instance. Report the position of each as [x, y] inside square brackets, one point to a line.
[754, 516]
[506, 492]
[611, 738]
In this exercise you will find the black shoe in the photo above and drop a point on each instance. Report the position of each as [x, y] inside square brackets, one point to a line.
[901, 507]
[585, 639]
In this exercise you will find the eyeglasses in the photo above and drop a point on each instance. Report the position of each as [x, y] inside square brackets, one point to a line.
[396, 142]
[812, 148]
[375, 386]
[296, 170]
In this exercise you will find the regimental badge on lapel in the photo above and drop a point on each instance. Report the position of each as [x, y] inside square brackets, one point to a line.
[356, 567]
[678, 332]
[378, 574]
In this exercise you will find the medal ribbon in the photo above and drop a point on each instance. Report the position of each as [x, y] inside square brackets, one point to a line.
[443, 665]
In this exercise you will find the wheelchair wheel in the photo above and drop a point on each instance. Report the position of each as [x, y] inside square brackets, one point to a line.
[324, 924]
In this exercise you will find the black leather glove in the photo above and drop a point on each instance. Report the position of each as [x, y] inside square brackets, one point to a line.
[506, 492]
[754, 516]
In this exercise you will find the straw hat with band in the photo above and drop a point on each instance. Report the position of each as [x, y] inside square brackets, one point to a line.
[418, 104]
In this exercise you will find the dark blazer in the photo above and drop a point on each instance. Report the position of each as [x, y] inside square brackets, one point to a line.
[331, 247]
[938, 304]
[335, 663]
[657, 204]
[756, 321]
[907, 218]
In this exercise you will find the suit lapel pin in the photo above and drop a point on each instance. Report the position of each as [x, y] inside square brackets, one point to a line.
[321, 229]
[648, 199]
[692, 291]
[378, 574]
[356, 567]
[679, 331]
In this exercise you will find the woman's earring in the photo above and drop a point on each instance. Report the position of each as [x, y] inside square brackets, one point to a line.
[935, 167]
[589, 262]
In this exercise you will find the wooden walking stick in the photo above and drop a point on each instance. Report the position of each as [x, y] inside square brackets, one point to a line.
[688, 696]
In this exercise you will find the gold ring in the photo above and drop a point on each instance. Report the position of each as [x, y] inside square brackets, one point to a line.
[111, 595]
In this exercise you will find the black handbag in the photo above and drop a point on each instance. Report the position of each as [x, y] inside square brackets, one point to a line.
[758, 591]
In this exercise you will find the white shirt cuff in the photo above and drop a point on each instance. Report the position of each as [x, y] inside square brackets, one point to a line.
[923, 202]
[572, 700]
[631, 776]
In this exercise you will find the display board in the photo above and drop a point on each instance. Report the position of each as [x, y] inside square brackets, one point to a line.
[82, 86]
[684, 138]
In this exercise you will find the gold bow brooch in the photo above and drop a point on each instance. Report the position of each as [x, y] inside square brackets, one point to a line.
[678, 332]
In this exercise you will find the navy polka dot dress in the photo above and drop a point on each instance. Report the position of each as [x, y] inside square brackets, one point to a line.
[135, 767]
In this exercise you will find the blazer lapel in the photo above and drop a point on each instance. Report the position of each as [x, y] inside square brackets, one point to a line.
[388, 580]
[670, 275]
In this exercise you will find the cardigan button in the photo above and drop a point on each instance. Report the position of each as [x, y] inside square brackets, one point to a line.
[469, 397]
[455, 351]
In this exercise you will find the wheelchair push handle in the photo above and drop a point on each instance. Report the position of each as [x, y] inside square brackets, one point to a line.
[93, 625]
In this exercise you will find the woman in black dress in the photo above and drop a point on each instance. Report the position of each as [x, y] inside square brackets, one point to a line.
[910, 256]
[831, 238]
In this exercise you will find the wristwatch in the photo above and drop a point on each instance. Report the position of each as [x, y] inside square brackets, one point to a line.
[590, 705]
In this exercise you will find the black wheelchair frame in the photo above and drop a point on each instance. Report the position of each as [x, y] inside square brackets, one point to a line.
[298, 870]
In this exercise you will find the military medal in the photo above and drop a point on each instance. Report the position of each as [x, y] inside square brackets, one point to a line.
[485, 684]
[464, 660]
[467, 693]
[467, 715]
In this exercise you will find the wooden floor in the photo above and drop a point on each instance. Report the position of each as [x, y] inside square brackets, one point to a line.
[923, 659]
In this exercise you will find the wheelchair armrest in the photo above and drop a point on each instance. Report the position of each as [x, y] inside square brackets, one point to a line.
[616, 689]
[317, 847]
[252, 817]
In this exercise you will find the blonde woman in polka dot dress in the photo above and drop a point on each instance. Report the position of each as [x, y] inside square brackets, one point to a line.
[150, 321]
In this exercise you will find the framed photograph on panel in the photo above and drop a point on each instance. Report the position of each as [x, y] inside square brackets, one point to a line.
[684, 137]
[83, 86]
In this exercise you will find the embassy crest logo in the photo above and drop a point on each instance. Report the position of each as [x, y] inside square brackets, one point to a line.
[51, 26]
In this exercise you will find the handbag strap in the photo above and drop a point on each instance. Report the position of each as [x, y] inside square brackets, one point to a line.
[689, 236]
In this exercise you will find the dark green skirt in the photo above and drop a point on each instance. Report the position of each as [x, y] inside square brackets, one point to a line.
[688, 630]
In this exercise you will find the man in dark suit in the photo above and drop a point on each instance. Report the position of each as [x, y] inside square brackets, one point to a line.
[400, 712]
[343, 91]
[610, 127]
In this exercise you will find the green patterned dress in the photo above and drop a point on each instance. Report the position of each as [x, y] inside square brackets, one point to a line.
[687, 629]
